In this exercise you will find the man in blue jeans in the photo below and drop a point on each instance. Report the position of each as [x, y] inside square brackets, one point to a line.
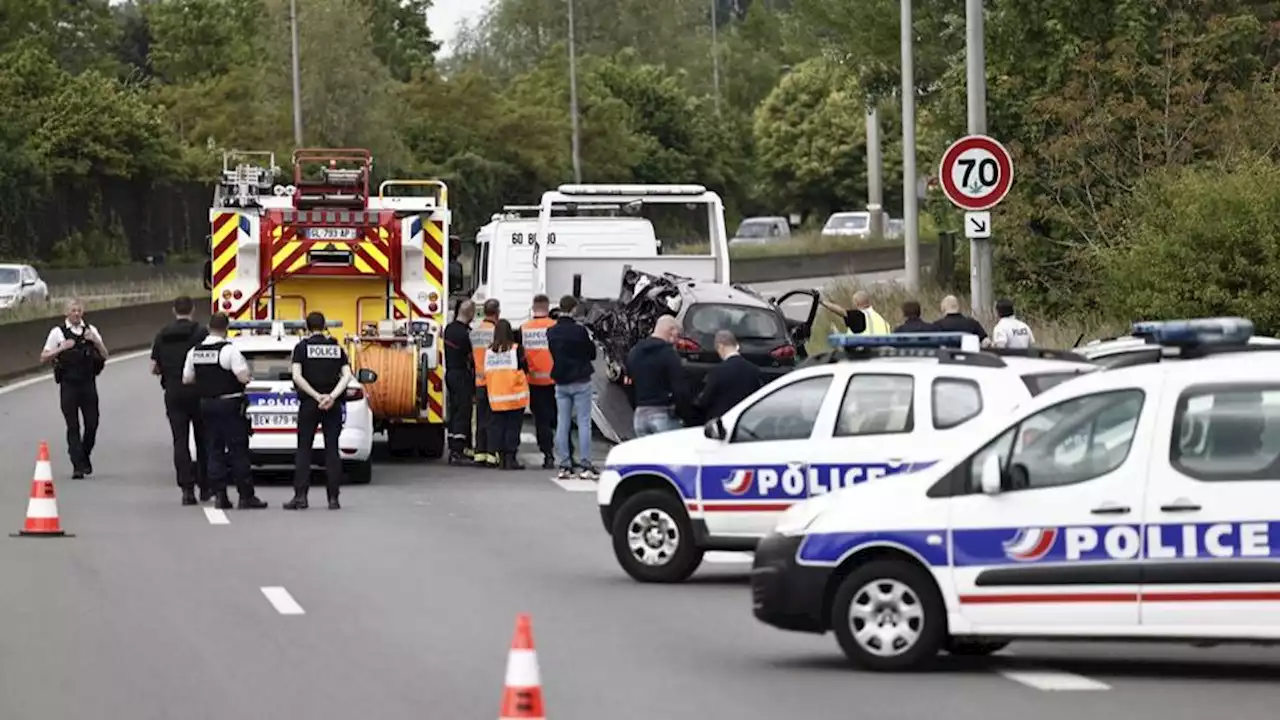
[572, 352]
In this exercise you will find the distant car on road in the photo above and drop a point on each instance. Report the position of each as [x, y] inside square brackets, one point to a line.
[21, 284]
[761, 231]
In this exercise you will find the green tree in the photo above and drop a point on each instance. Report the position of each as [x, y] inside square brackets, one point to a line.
[401, 37]
[197, 40]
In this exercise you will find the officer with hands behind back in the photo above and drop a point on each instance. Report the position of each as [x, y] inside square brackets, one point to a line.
[220, 372]
[78, 355]
[182, 402]
[321, 371]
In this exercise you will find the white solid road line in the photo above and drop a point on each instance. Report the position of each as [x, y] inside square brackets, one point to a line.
[28, 382]
[216, 516]
[282, 601]
[1053, 681]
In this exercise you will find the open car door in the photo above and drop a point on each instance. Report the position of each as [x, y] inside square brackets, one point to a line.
[799, 330]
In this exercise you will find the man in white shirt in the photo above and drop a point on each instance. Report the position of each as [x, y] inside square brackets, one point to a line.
[220, 372]
[78, 354]
[1010, 332]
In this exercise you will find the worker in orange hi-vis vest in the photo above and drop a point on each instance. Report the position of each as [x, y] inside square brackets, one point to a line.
[542, 389]
[508, 394]
[481, 338]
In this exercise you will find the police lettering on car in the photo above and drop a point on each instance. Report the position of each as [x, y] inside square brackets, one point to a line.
[321, 371]
[78, 355]
[220, 372]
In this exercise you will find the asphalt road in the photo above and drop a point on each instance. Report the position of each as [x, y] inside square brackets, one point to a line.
[402, 605]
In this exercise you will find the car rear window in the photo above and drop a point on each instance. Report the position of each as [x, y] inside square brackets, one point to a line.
[1039, 383]
[746, 322]
[269, 366]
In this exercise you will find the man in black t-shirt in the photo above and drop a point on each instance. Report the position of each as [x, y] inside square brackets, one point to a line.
[321, 372]
[182, 402]
[953, 321]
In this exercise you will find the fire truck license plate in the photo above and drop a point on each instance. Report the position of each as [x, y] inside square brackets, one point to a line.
[331, 233]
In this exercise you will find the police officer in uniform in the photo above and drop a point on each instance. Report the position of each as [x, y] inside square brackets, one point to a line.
[321, 372]
[78, 355]
[481, 339]
[219, 372]
[459, 380]
[182, 402]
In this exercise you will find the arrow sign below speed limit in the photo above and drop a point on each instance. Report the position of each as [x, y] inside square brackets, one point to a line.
[976, 173]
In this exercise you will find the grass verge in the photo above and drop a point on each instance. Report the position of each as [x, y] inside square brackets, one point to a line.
[102, 297]
[887, 298]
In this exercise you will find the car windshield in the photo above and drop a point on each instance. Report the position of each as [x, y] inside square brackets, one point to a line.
[848, 222]
[271, 365]
[9, 276]
[744, 321]
[754, 229]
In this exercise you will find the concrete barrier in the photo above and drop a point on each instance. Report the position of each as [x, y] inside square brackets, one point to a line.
[123, 329]
[134, 327]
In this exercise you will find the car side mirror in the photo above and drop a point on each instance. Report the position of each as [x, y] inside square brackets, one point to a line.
[992, 479]
[715, 430]
[1019, 477]
[366, 376]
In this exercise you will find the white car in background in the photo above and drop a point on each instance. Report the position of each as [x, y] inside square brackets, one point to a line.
[1136, 350]
[21, 284]
[273, 404]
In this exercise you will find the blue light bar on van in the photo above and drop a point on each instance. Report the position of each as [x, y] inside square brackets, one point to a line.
[1202, 331]
[961, 341]
[282, 324]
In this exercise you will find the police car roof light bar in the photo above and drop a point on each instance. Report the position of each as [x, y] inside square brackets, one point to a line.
[961, 341]
[282, 324]
[1200, 331]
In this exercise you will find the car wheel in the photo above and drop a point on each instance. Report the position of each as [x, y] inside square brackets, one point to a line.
[974, 647]
[359, 473]
[431, 441]
[888, 616]
[653, 538]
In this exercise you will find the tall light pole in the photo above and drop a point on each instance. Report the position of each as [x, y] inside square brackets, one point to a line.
[980, 260]
[297, 75]
[875, 173]
[715, 53]
[573, 101]
[910, 201]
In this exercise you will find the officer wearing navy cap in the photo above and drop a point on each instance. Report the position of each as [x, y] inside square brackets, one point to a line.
[220, 372]
[321, 371]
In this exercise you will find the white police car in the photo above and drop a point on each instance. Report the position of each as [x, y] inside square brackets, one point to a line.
[1145, 505]
[1134, 350]
[273, 402]
[874, 406]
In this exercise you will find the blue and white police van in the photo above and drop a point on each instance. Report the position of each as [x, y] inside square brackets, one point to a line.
[874, 406]
[267, 346]
[1136, 503]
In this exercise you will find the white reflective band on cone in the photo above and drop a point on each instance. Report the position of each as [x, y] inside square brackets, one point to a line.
[522, 669]
[44, 471]
[42, 508]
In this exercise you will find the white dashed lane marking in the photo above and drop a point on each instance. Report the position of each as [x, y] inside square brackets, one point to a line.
[726, 557]
[216, 516]
[282, 601]
[1053, 681]
[576, 484]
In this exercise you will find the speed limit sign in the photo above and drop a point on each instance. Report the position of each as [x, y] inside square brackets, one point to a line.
[976, 173]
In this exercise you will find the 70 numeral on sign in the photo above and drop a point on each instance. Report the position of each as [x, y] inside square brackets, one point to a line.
[518, 238]
[988, 171]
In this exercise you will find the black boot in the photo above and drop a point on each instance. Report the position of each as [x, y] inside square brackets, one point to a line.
[221, 501]
[548, 462]
[189, 496]
[299, 502]
[511, 461]
[205, 494]
[251, 502]
[457, 458]
[333, 503]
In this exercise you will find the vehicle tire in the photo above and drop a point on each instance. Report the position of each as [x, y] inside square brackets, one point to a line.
[400, 441]
[901, 600]
[974, 647]
[359, 473]
[653, 538]
[431, 441]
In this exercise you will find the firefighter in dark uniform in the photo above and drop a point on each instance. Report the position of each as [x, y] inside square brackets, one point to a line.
[459, 381]
[321, 372]
[182, 402]
[481, 338]
[220, 372]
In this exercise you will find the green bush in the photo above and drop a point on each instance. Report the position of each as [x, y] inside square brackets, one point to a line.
[1200, 242]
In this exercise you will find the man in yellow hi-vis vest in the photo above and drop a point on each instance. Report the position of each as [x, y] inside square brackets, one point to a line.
[863, 319]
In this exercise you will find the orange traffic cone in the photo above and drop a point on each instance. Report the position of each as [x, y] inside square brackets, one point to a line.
[522, 696]
[42, 508]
